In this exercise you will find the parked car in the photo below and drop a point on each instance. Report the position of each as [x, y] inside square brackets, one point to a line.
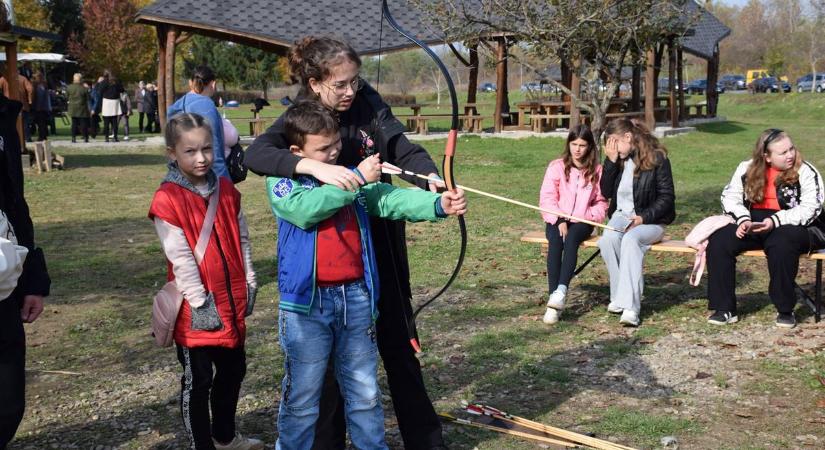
[700, 86]
[804, 83]
[531, 87]
[770, 84]
[733, 82]
[487, 87]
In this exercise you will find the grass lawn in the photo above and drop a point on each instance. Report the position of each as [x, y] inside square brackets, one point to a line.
[747, 386]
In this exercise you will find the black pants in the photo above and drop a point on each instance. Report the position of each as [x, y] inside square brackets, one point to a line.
[140, 121]
[782, 245]
[41, 121]
[200, 390]
[12, 369]
[417, 420]
[151, 120]
[94, 125]
[80, 125]
[110, 121]
[562, 255]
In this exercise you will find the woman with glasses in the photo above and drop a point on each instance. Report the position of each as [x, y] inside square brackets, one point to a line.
[202, 86]
[776, 200]
[328, 72]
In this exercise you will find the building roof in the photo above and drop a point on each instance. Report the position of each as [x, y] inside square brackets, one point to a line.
[275, 25]
[706, 33]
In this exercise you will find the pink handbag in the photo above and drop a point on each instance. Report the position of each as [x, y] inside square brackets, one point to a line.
[698, 239]
[168, 300]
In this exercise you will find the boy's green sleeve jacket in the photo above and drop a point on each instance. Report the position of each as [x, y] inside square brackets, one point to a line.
[304, 204]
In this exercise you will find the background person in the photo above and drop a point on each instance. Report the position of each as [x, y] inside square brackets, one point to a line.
[202, 86]
[78, 97]
[110, 90]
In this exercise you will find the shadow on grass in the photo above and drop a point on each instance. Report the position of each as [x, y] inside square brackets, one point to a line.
[129, 427]
[87, 160]
[729, 127]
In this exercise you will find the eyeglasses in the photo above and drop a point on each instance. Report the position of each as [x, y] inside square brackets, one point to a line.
[774, 133]
[341, 87]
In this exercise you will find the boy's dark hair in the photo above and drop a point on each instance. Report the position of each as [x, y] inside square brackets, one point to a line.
[308, 117]
[181, 123]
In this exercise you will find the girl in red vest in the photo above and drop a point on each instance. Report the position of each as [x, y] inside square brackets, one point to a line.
[218, 293]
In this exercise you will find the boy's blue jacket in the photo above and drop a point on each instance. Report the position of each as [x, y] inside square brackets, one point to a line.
[301, 204]
[204, 106]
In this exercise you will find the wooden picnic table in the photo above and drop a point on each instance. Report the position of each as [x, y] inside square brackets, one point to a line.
[699, 107]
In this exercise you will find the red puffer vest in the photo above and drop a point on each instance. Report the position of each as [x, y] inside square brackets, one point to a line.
[222, 269]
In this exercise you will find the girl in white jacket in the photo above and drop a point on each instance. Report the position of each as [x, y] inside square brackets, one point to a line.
[776, 199]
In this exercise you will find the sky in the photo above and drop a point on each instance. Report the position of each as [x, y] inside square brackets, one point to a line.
[735, 2]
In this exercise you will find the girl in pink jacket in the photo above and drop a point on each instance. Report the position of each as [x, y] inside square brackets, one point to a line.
[571, 186]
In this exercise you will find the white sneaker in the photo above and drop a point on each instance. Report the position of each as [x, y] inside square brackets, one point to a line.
[556, 300]
[614, 308]
[240, 443]
[551, 316]
[629, 318]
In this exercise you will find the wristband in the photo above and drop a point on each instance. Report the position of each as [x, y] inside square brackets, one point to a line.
[360, 175]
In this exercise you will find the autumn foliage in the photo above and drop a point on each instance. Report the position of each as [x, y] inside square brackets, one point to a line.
[112, 40]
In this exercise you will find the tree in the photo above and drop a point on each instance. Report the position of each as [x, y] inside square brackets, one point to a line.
[814, 31]
[112, 40]
[32, 14]
[65, 19]
[595, 38]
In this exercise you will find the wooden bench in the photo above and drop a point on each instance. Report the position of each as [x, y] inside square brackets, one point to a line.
[674, 246]
[539, 121]
[699, 107]
[419, 123]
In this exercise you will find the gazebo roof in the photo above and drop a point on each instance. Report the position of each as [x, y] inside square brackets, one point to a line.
[707, 32]
[275, 25]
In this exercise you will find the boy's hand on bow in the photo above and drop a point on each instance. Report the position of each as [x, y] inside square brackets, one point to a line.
[370, 168]
[454, 203]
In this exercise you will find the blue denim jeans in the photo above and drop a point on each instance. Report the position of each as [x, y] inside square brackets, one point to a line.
[339, 324]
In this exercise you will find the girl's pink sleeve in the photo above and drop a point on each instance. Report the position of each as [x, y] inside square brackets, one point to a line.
[598, 207]
[549, 194]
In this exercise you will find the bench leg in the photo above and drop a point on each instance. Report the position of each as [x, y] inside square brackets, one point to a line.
[818, 295]
[588, 261]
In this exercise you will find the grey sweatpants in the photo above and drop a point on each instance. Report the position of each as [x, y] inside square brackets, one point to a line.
[623, 253]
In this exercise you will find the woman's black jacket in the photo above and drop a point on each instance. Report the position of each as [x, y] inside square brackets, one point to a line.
[653, 195]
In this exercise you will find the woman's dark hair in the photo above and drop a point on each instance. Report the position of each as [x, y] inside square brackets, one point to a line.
[181, 123]
[201, 76]
[314, 57]
[591, 158]
[647, 146]
[308, 117]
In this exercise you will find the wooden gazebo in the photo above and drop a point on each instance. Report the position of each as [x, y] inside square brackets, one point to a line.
[360, 23]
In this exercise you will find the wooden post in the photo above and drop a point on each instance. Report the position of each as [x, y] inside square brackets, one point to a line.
[472, 83]
[713, 76]
[650, 89]
[636, 89]
[575, 88]
[161, 87]
[671, 68]
[169, 76]
[14, 88]
[501, 82]
[680, 72]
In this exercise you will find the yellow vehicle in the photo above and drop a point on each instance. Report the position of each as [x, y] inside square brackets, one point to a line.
[753, 74]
